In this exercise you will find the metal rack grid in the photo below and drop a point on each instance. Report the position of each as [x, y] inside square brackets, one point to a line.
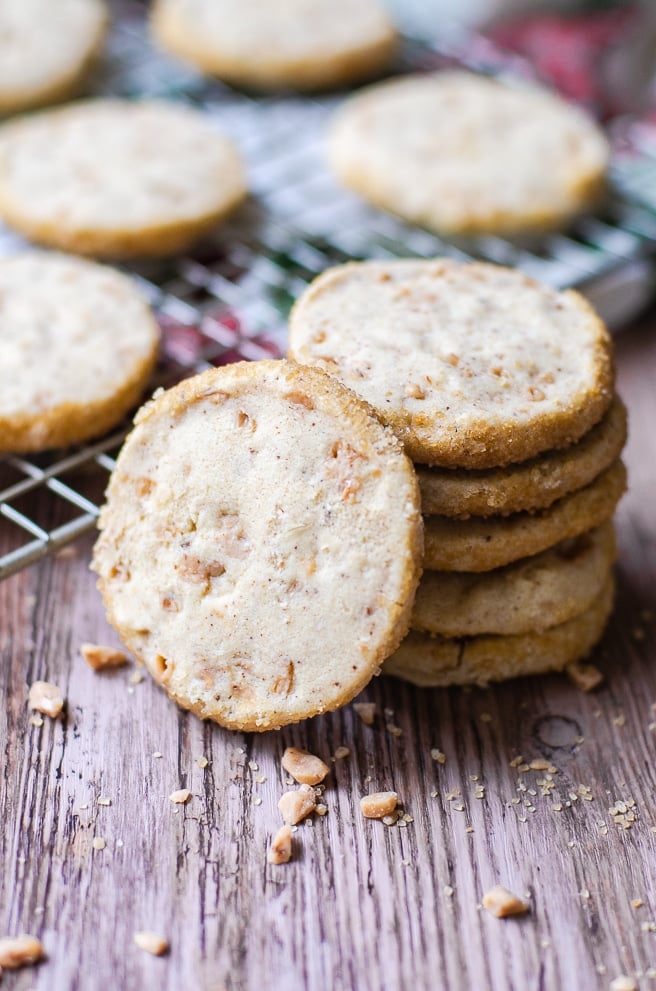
[229, 298]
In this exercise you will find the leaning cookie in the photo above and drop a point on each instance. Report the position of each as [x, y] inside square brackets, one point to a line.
[115, 178]
[530, 485]
[478, 544]
[463, 154]
[273, 44]
[261, 543]
[77, 347]
[435, 661]
[528, 596]
[46, 48]
[471, 365]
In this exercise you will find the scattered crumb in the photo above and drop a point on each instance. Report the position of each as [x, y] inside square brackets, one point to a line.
[180, 797]
[516, 761]
[280, 851]
[391, 819]
[296, 805]
[202, 762]
[624, 813]
[619, 720]
[157, 754]
[394, 729]
[151, 942]
[448, 890]
[586, 677]
[136, 677]
[341, 753]
[20, 951]
[257, 801]
[304, 767]
[103, 800]
[486, 717]
[638, 633]
[98, 843]
[102, 658]
[501, 902]
[66, 552]
[438, 756]
[379, 804]
[321, 809]
[253, 766]
[539, 764]
[259, 779]
[637, 903]
[45, 698]
[623, 983]
[36, 721]
[366, 711]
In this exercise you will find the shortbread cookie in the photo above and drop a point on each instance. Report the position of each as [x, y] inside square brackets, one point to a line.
[260, 544]
[533, 484]
[46, 47]
[271, 44]
[463, 154]
[479, 544]
[471, 365]
[77, 346]
[114, 178]
[525, 597]
[436, 661]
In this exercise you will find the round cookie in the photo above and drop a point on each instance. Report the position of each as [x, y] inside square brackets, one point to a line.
[526, 597]
[261, 543]
[480, 544]
[472, 365]
[115, 178]
[273, 44]
[466, 154]
[77, 347]
[46, 48]
[435, 661]
[533, 484]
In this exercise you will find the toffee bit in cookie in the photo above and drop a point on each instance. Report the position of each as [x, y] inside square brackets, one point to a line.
[366, 711]
[586, 677]
[341, 753]
[102, 658]
[379, 804]
[501, 902]
[46, 698]
[304, 767]
[280, 851]
[296, 805]
[152, 942]
[20, 951]
[180, 797]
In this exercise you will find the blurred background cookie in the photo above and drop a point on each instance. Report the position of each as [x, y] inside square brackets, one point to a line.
[273, 44]
[115, 178]
[463, 154]
[46, 46]
[77, 347]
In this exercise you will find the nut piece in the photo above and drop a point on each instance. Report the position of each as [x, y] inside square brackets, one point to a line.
[152, 942]
[46, 698]
[101, 658]
[501, 902]
[366, 711]
[20, 951]
[379, 804]
[180, 797]
[586, 677]
[280, 851]
[303, 766]
[296, 805]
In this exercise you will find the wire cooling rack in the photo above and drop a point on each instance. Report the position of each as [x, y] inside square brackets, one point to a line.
[229, 298]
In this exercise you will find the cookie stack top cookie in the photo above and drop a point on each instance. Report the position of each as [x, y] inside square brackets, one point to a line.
[472, 365]
[260, 544]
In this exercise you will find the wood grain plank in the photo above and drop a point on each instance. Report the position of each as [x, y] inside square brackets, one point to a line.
[362, 905]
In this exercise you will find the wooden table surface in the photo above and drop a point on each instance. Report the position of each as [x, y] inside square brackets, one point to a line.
[362, 906]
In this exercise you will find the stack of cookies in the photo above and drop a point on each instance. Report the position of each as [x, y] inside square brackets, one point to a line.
[502, 392]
